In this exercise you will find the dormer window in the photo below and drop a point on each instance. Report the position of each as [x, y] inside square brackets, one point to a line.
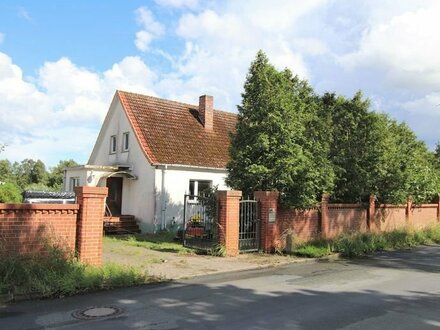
[113, 144]
[125, 141]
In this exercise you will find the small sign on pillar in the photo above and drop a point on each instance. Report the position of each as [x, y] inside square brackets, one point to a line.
[272, 215]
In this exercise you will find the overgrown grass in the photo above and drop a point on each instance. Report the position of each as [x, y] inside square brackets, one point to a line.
[163, 241]
[356, 245]
[54, 275]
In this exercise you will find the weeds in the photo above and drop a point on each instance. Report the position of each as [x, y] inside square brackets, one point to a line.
[54, 275]
[218, 250]
[356, 245]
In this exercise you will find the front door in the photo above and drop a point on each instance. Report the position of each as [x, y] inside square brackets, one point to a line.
[114, 198]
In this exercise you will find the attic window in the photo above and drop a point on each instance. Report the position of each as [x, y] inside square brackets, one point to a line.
[113, 144]
[125, 141]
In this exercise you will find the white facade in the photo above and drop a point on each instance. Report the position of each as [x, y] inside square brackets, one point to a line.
[154, 194]
[172, 183]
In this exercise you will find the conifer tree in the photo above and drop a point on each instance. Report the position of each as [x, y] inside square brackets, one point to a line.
[272, 148]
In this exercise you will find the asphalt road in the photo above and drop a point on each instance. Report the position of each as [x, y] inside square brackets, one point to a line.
[399, 290]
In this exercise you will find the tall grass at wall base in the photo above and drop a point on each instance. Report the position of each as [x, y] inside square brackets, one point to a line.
[356, 245]
[54, 275]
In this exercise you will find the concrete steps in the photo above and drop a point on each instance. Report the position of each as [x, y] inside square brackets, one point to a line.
[121, 224]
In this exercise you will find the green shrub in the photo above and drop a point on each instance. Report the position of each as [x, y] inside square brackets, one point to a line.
[10, 193]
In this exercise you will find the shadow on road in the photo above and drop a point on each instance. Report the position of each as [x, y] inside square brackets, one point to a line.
[422, 259]
[274, 300]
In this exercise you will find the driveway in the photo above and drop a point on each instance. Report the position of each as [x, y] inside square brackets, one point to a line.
[399, 290]
[172, 261]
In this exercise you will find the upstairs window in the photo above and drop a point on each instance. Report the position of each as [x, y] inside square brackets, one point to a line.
[113, 144]
[125, 141]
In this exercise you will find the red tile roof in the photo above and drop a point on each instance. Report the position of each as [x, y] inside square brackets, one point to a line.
[171, 133]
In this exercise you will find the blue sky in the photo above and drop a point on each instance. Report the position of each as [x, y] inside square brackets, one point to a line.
[61, 61]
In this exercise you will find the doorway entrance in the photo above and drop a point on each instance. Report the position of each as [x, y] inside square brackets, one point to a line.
[114, 198]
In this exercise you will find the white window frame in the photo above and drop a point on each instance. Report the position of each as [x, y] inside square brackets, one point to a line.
[125, 141]
[73, 182]
[113, 144]
[192, 198]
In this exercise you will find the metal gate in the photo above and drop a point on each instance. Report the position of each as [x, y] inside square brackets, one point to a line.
[249, 234]
[199, 222]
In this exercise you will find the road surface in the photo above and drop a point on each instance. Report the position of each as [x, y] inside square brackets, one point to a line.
[397, 290]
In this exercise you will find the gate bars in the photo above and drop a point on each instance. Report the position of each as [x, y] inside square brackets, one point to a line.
[249, 232]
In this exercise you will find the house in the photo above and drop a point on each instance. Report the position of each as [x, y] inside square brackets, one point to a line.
[150, 152]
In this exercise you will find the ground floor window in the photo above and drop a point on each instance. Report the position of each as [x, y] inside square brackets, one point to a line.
[197, 187]
[73, 182]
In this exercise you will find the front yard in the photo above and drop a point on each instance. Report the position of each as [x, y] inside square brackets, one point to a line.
[159, 256]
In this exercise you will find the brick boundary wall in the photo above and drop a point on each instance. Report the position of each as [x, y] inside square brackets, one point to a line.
[329, 220]
[26, 228]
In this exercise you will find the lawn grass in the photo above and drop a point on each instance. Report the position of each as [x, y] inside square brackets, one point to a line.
[163, 242]
[356, 245]
[55, 275]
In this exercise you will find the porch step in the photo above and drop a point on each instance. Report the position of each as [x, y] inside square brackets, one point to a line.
[122, 224]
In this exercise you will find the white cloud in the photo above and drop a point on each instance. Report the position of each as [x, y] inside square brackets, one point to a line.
[23, 13]
[392, 51]
[2, 38]
[58, 112]
[130, 74]
[151, 29]
[427, 105]
[178, 3]
[406, 47]
[220, 44]
[274, 15]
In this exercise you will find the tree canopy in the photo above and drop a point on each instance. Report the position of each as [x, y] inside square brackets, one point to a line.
[271, 148]
[29, 174]
[292, 140]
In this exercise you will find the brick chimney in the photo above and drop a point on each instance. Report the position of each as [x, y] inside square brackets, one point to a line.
[206, 111]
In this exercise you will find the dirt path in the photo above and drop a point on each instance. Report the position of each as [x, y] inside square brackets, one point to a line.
[172, 265]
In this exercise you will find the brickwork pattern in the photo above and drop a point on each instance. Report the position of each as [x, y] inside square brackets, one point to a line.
[424, 215]
[346, 219]
[269, 232]
[229, 220]
[90, 223]
[27, 228]
[305, 224]
[331, 220]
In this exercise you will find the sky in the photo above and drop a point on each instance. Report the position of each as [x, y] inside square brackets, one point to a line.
[62, 61]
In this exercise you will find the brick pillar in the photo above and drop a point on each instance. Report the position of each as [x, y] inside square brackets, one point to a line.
[229, 220]
[268, 230]
[90, 223]
[409, 220]
[371, 215]
[325, 216]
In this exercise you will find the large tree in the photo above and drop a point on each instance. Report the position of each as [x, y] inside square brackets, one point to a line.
[373, 154]
[272, 147]
[357, 145]
[29, 171]
[56, 174]
[408, 169]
